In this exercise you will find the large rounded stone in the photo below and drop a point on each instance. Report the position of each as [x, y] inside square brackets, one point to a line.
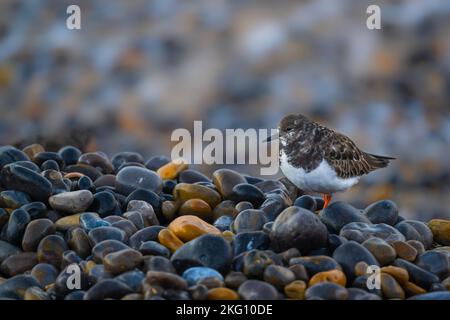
[441, 231]
[208, 250]
[435, 262]
[9, 154]
[382, 251]
[417, 275]
[249, 220]
[131, 178]
[36, 230]
[51, 249]
[416, 230]
[17, 223]
[225, 180]
[15, 177]
[122, 261]
[299, 228]
[326, 291]
[18, 263]
[257, 290]
[190, 227]
[184, 191]
[72, 202]
[338, 214]
[349, 254]
[383, 211]
[360, 232]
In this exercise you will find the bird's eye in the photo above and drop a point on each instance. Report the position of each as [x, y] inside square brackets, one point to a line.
[289, 129]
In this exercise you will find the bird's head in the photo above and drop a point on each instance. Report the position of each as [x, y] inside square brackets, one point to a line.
[290, 127]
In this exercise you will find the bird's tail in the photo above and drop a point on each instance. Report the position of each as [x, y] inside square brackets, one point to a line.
[376, 161]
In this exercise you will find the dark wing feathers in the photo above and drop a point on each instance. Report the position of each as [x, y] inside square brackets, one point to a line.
[348, 160]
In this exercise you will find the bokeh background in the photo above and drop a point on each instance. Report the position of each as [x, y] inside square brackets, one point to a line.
[139, 69]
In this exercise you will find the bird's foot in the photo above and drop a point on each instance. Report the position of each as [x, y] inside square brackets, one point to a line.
[326, 199]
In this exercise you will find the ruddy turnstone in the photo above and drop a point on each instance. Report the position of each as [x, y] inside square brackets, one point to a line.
[318, 159]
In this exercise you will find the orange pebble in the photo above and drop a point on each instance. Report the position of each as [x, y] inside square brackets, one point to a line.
[222, 294]
[190, 227]
[172, 169]
[168, 239]
[335, 276]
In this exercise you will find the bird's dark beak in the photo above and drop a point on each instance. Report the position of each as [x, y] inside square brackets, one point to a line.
[271, 138]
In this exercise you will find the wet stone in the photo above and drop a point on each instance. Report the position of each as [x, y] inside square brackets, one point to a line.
[51, 249]
[9, 154]
[338, 214]
[390, 287]
[189, 227]
[435, 262]
[326, 291]
[18, 178]
[41, 157]
[143, 235]
[33, 149]
[153, 248]
[225, 208]
[299, 228]
[255, 262]
[69, 154]
[85, 183]
[307, 202]
[13, 199]
[349, 254]
[360, 232]
[207, 250]
[108, 288]
[28, 165]
[18, 263]
[192, 176]
[249, 220]
[166, 280]
[400, 274]
[198, 292]
[278, 276]
[7, 249]
[257, 290]
[68, 222]
[169, 210]
[247, 192]
[97, 160]
[83, 169]
[100, 234]
[222, 294]
[246, 241]
[416, 230]
[122, 261]
[17, 223]
[360, 294]
[132, 279]
[383, 211]
[172, 169]
[36, 230]
[416, 245]
[45, 273]
[158, 263]
[225, 180]
[131, 178]
[241, 206]
[382, 251]
[404, 250]
[90, 221]
[417, 275]
[440, 295]
[183, 192]
[72, 202]
[196, 207]
[147, 211]
[126, 226]
[50, 165]
[196, 274]
[315, 264]
[441, 231]
[124, 157]
[273, 206]
[334, 276]
[234, 279]
[151, 199]
[156, 162]
[170, 240]
[223, 223]
[15, 287]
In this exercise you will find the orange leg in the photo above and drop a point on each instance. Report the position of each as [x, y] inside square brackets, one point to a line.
[327, 199]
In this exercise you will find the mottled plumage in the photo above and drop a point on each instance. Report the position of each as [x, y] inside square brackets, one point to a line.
[316, 158]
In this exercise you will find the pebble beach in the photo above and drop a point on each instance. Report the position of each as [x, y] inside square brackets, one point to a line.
[153, 229]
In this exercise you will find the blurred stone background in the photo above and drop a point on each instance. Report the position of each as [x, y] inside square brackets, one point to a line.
[139, 69]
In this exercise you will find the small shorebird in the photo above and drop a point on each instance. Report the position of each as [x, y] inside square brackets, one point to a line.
[317, 159]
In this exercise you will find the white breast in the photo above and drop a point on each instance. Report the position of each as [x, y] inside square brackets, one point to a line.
[322, 179]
